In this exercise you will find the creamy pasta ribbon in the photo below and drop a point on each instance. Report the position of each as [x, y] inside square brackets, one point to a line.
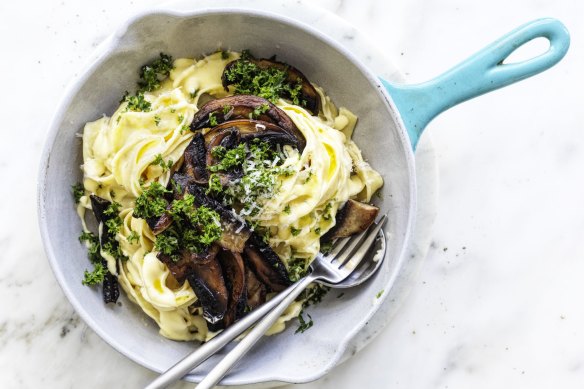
[119, 154]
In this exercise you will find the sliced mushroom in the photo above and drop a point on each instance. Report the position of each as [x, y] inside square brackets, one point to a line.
[255, 290]
[195, 155]
[234, 274]
[99, 206]
[308, 96]
[266, 264]
[204, 273]
[353, 218]
[180, 269]
[179, 182]
[110, 287]
[243, 107]
[249, 130]
[235, 231]
[206, 279]
[228, 138]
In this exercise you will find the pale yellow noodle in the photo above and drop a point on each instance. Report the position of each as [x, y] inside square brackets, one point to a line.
[117, 162]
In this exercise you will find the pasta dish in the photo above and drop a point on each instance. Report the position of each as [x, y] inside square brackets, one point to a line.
[214, 186]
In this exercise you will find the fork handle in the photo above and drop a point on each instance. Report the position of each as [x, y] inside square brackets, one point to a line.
[252, 337]
[206, 350]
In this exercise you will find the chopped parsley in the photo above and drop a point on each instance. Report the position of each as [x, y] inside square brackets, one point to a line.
[326, 247]
[212, 119]
[113, 209]
[156, 120]
[113, 225]
[180, 118]
[270, 83]
[379, 294]
[167, 243]
[303, 324]
[326, 214]
[92, 243]
[229, 158]
[215, 186]
[226, 109]
[224, 54]
[112, 247]
[194, 228]
[317, 231]
[295, 231]
[137, 103]
[287, 209]
[152, 74]
[166, 166]
[114, 222]
[133, 238]
[194, 93]
[151, 203]
[78, 191]
[258, 111]
[260, 165]
[312, 295]
[96, 276]
[297, 269]
[93, 250]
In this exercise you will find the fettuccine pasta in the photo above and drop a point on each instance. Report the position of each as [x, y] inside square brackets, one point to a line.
[118, 156]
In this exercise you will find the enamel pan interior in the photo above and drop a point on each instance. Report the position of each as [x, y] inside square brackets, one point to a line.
[381, 134]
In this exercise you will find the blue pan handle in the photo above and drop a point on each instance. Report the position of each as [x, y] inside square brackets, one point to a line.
[481, 73]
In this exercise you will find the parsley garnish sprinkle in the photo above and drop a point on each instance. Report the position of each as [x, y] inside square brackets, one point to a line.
[304, 325]
[137, 103]
[78, 191]
[212, 119]
[194, 228]
[215, 186]
[270, 83]
[133, 237]
[297, 269]
[151, 203]
[152, 74]
[326, 247]
[92, 243]
[229, 158]
[295, 231]
[326, 213]
[160, 162]
[258, 111]
[96, 276]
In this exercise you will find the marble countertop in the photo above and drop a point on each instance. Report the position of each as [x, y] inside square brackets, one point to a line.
[496, 302]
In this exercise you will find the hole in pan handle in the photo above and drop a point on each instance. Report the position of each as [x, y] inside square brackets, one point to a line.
[481, 73]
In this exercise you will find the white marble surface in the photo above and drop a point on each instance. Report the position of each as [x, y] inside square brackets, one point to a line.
[496, 302]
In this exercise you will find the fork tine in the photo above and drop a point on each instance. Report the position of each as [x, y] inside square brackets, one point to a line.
[359, 247]
[337, 248]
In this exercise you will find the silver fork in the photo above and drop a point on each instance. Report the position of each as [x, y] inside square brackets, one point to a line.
[331, 268]
[206, 350]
